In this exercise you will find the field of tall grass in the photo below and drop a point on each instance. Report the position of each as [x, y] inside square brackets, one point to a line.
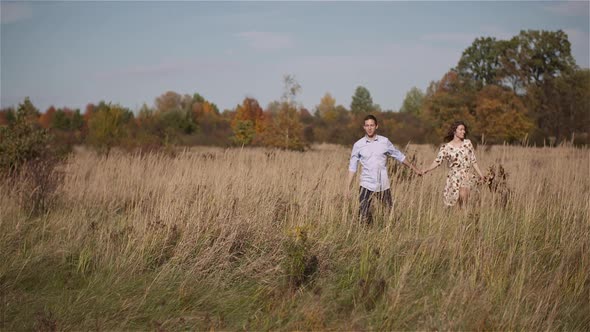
[256, 239]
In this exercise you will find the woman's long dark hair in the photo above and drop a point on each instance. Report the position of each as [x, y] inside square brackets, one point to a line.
[453, 128]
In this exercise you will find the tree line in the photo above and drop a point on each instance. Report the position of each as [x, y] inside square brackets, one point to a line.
[525, 90]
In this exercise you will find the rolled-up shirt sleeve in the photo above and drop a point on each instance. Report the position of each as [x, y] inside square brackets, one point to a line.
[354, 158]
[395, 153]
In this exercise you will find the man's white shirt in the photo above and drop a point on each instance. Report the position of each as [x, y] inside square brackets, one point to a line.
[372, 154]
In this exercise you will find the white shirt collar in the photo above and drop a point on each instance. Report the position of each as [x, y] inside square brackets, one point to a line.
[367, 139]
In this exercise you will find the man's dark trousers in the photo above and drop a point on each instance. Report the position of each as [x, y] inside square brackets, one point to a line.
[365, 198]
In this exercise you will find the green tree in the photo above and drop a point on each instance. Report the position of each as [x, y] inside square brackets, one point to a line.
[7, 115]
[244, 132]
[534, 56]
[413, 101]
[107, 126]
[60, 120]
[560, 107]
[362, 101]
[22, 139]
[480, 62]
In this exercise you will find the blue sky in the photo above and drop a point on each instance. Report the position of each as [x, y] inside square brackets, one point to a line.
[74, 53]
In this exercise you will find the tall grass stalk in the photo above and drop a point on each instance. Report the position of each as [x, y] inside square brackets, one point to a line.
[201, 240]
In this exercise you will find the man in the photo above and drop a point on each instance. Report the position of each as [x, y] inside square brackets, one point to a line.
[372, 151]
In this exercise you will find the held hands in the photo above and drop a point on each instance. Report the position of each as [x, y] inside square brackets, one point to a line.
[416, 170]
[481, 179]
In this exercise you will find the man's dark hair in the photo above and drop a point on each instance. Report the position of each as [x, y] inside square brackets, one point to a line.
[370, 117]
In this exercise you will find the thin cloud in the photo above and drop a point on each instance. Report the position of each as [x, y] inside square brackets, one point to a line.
[580, 41]
[388, 71]
[497, 32]
[259, 40]
[569, 8]
[11, 12]
[171, 68]
[468, 38]
[462, 38]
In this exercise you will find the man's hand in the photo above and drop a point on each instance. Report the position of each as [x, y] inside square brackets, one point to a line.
[347, 192]
[416, 170]
[348, 183]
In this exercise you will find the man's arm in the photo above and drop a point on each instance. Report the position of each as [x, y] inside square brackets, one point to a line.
[399, 156]
[349, 182]
[352, 166]
[416, 170]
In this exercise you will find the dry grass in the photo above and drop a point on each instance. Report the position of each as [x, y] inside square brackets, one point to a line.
[210, 239]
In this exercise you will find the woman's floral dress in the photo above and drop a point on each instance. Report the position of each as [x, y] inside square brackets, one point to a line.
[460, 161]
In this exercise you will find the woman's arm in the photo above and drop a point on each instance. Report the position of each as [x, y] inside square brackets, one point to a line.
[473, 159]
[437, 161]
[481, 177]
[431, 167]
[416, 170]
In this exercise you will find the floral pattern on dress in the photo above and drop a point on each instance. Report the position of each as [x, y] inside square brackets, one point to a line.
[460, 161]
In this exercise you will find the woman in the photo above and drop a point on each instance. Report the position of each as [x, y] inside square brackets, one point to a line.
[458, 153]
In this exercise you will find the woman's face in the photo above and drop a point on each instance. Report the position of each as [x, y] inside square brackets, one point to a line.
[460, 132]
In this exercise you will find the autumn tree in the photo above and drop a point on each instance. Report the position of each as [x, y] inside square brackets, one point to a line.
[449, 100]
[7, 116]
[107, 126]
[149, 132]
[248, 122]
[283, 127]
[169, 101]
[284, 130]
[46, 118]
[327, 108]
[331, 122]
[501, 116]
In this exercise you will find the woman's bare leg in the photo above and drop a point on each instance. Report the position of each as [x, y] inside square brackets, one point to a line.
[463, 196]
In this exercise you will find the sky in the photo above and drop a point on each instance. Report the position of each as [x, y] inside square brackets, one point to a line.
[71, 53]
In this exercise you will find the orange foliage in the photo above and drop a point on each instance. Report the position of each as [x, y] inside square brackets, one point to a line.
[90, 108]
[46, 118]
[250, 110]
[208, 108]
[3, 119]
[501, 115]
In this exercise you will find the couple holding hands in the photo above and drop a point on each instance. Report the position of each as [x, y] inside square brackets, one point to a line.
[372, 150]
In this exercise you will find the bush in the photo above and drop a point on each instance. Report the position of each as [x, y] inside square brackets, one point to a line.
[22, 140]
[27, 163]
[299, 264]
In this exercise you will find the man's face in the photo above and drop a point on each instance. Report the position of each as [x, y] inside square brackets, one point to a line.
[370, 127]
